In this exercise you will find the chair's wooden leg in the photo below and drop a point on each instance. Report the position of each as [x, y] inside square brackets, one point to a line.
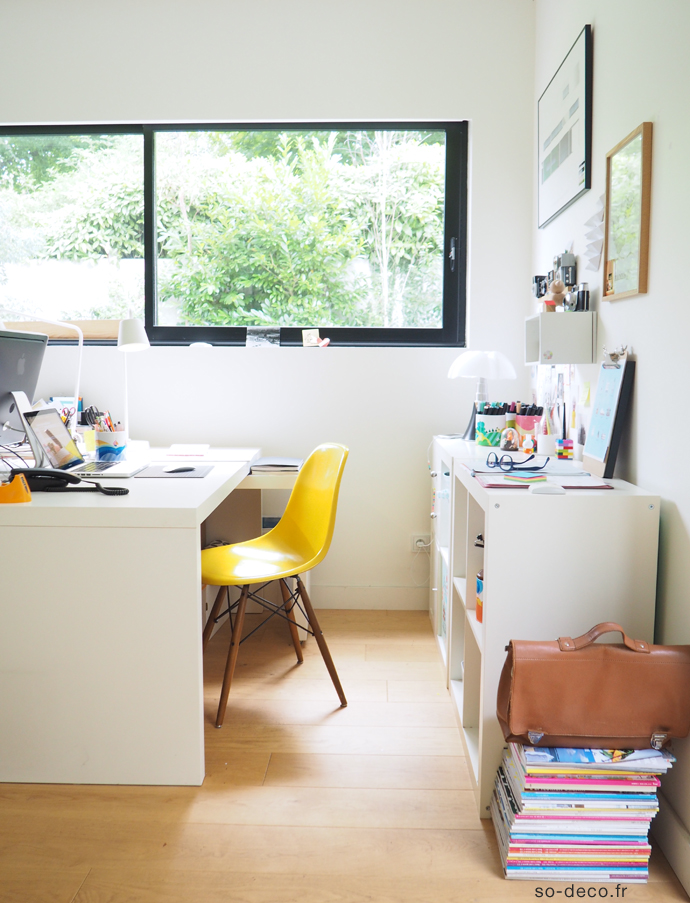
[232, 656]
[321, 642]
[289, 605]
[210, 623]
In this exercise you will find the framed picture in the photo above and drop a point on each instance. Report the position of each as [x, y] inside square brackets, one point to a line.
[611, 403]
[565, 131]
[628, 197]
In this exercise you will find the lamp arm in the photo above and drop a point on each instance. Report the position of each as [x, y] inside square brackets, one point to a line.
[80, 345]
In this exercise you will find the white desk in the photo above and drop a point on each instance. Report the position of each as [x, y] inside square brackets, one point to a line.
[100, 631]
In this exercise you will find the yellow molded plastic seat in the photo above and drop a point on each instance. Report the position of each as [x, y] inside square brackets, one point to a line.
[296, 544]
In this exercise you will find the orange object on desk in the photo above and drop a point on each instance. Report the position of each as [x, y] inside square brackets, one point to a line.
[17, 490]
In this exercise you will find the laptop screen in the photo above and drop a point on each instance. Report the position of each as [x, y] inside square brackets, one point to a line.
[54, 438]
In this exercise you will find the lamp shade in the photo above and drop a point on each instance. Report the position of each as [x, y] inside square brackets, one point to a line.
[132, 336]
[486, 364]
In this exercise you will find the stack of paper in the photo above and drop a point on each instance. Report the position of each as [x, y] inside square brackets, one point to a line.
[576, 814]
[276, 465]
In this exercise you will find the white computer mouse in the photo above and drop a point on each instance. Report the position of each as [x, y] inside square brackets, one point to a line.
[547, 489]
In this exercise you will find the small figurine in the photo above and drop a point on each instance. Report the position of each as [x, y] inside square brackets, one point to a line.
[529, 444]
[556, 294]
[615, 356]
[510, 439]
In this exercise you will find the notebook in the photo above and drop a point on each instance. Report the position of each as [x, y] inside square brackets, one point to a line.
[62, 453]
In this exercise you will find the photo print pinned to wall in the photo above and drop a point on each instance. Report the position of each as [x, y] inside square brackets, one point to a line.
[565, 131]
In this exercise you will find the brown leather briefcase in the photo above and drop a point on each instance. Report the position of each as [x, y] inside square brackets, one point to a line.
[578, 693]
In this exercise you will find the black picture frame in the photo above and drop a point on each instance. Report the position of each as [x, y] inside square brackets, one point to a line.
[564, 132]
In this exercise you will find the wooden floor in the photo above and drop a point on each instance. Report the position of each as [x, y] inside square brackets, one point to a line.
[303, 802]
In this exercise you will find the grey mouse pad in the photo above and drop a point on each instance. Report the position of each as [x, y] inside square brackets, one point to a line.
[162, 470]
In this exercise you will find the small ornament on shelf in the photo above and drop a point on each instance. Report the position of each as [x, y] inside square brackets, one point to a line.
[564, 449]
[557, 293]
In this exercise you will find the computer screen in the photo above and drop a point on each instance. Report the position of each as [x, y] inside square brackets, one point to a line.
[54, 438]
[21, 356]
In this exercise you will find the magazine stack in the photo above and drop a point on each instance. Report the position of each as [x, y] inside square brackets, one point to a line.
[576, 814]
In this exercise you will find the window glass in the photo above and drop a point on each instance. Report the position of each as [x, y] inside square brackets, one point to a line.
[72, 225]
[205, 231]
[300, 228]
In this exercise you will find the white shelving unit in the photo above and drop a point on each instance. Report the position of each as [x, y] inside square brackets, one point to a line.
[565, 338]
[553, 566]
[441, 570]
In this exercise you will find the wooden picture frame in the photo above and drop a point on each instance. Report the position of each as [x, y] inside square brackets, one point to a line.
[628, 200]
[564, 126]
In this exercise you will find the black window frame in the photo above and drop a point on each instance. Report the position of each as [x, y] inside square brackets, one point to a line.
[453, 331]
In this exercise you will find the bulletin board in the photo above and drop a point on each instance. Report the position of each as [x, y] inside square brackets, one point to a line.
[611, 404]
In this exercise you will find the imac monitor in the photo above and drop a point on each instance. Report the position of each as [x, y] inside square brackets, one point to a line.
[21, 356]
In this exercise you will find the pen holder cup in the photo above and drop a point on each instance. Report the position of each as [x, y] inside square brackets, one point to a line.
[489, 428]
[527, 432]
[111, 446]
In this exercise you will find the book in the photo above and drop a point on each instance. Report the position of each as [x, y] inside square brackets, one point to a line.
[576, 814]
[501, 481]
[276, 465]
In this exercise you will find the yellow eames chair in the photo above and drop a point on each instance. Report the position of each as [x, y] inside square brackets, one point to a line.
[298, 542]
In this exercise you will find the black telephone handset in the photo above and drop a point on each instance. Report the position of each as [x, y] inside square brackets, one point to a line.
[45, 479]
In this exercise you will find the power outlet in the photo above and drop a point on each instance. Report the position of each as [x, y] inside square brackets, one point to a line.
[420, 542]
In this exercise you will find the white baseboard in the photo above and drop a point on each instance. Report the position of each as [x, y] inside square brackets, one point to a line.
[392, 598]
[674, 839]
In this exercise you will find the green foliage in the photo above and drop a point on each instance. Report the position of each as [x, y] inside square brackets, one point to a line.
[267, 246]
[27, 162]
[397, 191]
[100, 203]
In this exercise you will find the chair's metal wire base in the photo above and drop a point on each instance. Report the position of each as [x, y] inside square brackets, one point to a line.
[279, 610]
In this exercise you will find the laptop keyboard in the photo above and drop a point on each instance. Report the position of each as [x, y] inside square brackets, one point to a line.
[94, 466]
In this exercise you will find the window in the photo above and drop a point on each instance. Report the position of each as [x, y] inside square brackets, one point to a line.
[358, 230]
[72, 226]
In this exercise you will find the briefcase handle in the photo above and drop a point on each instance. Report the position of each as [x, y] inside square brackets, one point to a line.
[568, 644]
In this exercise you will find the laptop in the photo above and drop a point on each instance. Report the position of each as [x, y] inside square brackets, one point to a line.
[62, 453]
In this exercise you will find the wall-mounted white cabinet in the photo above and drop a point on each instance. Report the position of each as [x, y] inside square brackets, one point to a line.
[554, 565]
[561, 338]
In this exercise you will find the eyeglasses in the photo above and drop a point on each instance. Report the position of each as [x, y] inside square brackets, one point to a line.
[506, 463]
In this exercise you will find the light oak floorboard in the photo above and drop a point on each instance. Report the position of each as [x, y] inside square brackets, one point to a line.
[29, 884]
[450, 854]
[310, 689]
[383, 741]
[404, 652]
[313, 668]
[417, 691]
[304, 802]
[367, 771]
[335, 807]
[146, 886]
[365, 714]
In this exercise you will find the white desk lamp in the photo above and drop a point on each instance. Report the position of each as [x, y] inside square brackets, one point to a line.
[481, 365]
[131, 337]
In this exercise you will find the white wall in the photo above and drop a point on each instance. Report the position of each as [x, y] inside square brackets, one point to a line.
[642, 73]
[271, 59]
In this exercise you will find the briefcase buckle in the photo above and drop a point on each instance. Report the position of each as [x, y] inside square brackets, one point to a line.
[658, 739]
